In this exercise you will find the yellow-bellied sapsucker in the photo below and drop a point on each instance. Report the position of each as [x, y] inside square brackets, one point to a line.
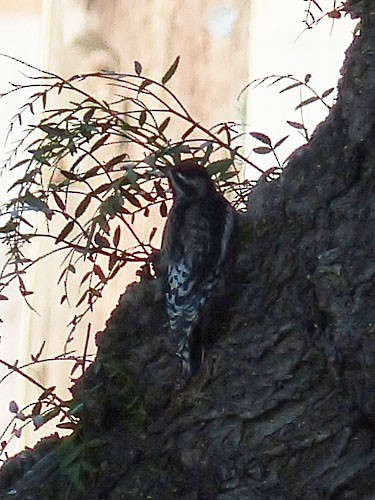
[197, 238]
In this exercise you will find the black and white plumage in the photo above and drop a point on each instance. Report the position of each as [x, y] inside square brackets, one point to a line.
[196, 243]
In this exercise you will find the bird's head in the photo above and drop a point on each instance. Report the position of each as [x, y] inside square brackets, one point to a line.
[190, 180]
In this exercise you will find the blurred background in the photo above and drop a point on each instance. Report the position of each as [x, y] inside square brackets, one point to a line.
[223, 44]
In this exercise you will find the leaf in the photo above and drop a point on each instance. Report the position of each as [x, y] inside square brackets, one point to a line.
[49, 415]
[94, 443]
[17, 432]
[142, 118]
[117, 236]
[55, 131]
[297, 125]
[99, 143]
[69, 175]
[19, 163]
[37, 204]
[82, 206]
[131, 198]
[85, 277]
[103, 187]
[262, 150]
[94, 292]
[67, 425]
[334, 14]
[152, 234]
[280, 141]
[290, 87]
[13, 407]
[64, 233]
[47, 392]
[327, 92]
[101, 241]
[220, 166]
[164, 124]
[208, 147]
[261, 137]
[188, 132]
[3, 297]
[308, 77]
[59, 201]
[99, 272]
[144, 84]
[160, 191]
[163, 209]
[81, 299]
[9, 227]
[138, 68]
[38, 421]
[37, 408]
[307, 101]
[113, 258]
[78, 161]
[171, 71]
[88, 115]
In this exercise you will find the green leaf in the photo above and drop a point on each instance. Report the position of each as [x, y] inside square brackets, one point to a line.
[37, 204]
[88, 115]
[171, 71]
[94, 443]
[112, 205]
[220, 166]
[55, 131]
[9, 227]
[71, 456]
[208, 148]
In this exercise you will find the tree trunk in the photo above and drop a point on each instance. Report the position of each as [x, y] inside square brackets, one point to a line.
[284, 406]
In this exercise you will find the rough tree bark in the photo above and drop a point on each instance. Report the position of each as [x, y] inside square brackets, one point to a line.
[284, 407]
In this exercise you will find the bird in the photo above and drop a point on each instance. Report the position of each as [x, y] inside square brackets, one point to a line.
[196, 244]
